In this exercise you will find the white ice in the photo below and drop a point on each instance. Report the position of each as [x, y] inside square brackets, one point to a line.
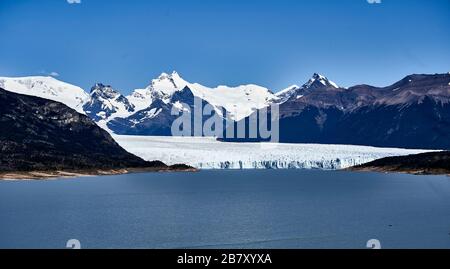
[207, 153]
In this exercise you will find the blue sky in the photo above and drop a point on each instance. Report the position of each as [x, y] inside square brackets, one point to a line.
[270, 43]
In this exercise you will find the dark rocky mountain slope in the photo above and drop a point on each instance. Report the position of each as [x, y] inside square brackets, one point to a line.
[41, 135]
[412, 113]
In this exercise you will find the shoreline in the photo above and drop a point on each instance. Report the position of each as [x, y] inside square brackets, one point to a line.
[416, 172]
[65, 174]
[432, 163]
[68, 174]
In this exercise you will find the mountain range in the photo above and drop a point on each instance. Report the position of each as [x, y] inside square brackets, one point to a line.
[46, 138]
[411, 113]
[144, 110]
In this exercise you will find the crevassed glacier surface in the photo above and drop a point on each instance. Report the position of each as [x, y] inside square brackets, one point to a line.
[207, 153]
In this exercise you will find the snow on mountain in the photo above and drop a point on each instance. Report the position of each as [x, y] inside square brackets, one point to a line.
[285, 94]
[107, 103]
[411, 113]
[140, 98]
[158, 118]
[166, 85]
[201, 152]
[318, 80]
[161, 88]
[48, 88]
[239, 101]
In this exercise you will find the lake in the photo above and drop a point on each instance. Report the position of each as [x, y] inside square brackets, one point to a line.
[228, 209]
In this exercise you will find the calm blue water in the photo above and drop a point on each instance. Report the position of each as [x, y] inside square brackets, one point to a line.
[228, 209]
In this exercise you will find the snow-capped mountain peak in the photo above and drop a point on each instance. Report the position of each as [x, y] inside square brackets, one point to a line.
[319, 81]
[285, 94]
[48, 88]
[105, 91]
[239, 101]
[161, 88]
[167, 84]
[106, 102]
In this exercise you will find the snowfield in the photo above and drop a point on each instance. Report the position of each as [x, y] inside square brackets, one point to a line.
[240, 101]
[207, 153]
[48, 88]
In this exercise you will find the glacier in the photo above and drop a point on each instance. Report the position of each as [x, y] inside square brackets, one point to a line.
[208, 153]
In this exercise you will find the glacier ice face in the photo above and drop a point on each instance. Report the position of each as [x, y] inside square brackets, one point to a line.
[207, 153]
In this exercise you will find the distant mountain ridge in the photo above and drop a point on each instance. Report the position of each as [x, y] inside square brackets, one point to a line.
[128, 114]
[412, 113]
